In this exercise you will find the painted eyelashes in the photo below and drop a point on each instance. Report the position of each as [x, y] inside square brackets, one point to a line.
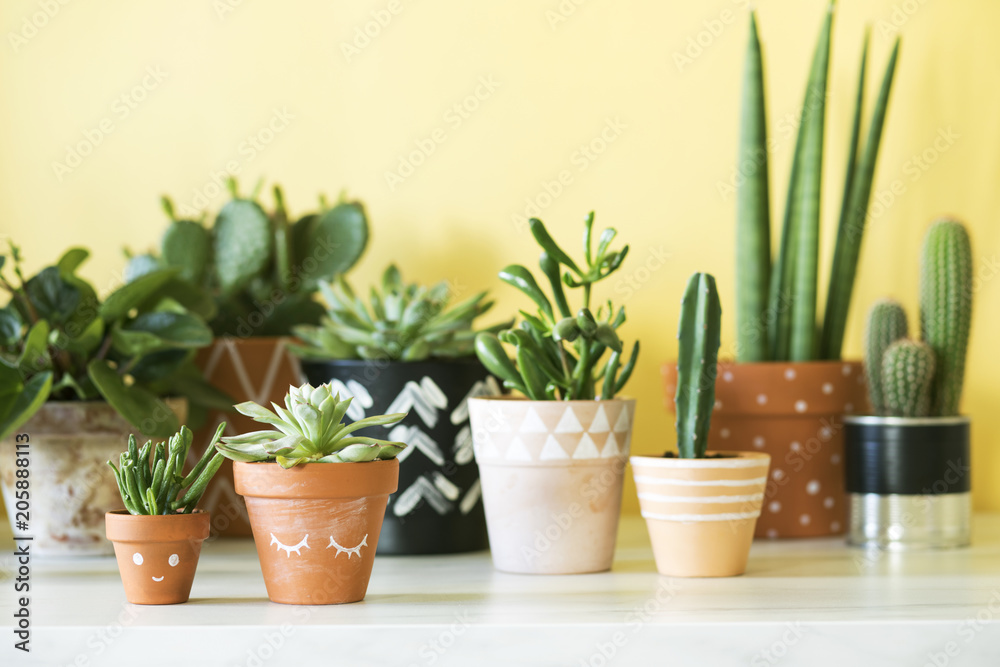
[304, 544]
[350, 552]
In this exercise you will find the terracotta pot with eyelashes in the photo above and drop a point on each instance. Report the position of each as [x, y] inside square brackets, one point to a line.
[316, 526]
[157, 555]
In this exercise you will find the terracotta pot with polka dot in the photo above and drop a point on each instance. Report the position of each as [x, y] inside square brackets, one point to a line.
[793, 412]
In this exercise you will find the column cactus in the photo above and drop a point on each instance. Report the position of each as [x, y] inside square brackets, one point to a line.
[886, 324]
[908, 376]
[946, 308]
[697, 364]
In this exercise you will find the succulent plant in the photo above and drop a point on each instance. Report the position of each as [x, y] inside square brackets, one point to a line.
[946, 308]
[309, 429]
[698, 335]
[558, 352]
[151, 478]
[776, 308]
[259, 270]
[907, 376]
[886, 324]
[402, 321]
[60, 342]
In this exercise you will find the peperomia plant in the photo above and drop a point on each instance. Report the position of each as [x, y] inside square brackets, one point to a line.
[403, 321]
[60, 342]
[310, 429]
[260, 269]
[559, 352]
[151, 478]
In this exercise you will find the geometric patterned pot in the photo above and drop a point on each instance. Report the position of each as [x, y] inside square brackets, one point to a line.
[792, 411]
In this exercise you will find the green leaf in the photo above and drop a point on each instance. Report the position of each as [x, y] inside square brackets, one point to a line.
[31, 397]
[10, 326]
[132, 295]
[34, 356]
[334, 240]
[173, 329]
[550, 246]
[53, 297]
[521, 278]
[71, 260]
[88, 339]
[139, 407]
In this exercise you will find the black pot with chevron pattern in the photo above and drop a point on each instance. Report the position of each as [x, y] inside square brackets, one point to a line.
[438, 507]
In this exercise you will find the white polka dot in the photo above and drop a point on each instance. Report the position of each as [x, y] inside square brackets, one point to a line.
[772, 533]
[796, 446]
[173, 560]
[812, 488]
[829, 502]
[801, 406]
[727, 376]
[789, 373]
[774, 507]
[804, 519]
[825, 433]
[846, 370]
[137, 558]
[758, 442]
[724, 433]
[761, 399]
[835, 459]
[718, 404]
[827, 388]
[778, 473]
[848, 407]
[835, 526]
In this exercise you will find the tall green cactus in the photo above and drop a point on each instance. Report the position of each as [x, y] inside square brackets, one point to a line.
[908, 376]
[946, 308]
[697, 364]
[886, 324]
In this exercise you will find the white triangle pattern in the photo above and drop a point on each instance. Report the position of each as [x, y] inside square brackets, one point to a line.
[621, 424]
[610, 447]
[600, 423]
[517, 451]
[569, 422]
[532, 422]
[586, 449]
[552, 450]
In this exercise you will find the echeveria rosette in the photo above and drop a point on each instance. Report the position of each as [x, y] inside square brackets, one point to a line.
[310, 429]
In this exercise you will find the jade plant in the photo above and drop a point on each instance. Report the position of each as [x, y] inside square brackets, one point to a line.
[260, 269]
[309, 429]
[909, 378]
[151, 478]
[698, 336]
[776, 304]
[559, 350]
[402, 321]
[60, 342]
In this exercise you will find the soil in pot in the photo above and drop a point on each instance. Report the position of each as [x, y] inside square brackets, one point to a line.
[316, 526]
[438, 508]
[157, 555]
[794, 413]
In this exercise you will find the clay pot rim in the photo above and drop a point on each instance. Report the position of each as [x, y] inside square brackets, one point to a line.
[507, 398]
[734, 459]
[267, 479]
[875, 420]
[122, 526]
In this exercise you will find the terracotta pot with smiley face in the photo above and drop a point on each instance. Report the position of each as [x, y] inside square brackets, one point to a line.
[157, 555]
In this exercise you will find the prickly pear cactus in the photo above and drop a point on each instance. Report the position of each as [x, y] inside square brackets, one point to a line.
[186, 245]
[330, 243]
[908, 375]
[886, 324]
[946, 308]
[242, 244]
[697, 364]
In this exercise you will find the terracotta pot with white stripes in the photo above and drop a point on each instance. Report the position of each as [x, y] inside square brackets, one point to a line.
[701, 513]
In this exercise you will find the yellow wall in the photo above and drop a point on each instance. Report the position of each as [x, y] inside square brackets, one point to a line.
[556, 84]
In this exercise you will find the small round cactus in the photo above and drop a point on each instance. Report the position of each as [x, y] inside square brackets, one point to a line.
[907, 376]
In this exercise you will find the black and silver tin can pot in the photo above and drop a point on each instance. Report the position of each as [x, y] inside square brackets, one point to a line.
[908, 482]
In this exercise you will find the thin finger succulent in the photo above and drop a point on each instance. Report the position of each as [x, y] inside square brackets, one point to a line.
[309, 429]
[151, 478]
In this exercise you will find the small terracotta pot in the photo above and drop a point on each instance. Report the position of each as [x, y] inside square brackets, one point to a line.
[316, 526]
[258, 369]
[157, 555]
[794, 412]
[552, 474]
[701, 512]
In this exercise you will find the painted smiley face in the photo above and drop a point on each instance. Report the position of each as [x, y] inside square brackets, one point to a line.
[172, 562]
[304, 544]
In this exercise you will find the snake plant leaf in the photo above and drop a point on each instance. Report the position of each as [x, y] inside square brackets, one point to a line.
[138, 406]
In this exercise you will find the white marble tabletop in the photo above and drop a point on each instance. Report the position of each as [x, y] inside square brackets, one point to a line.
[806, 602]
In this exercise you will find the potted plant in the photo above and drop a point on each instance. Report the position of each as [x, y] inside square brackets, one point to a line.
[261, 271]
[700, 506]
[552, 460]
[316, 493]
[411, 348]
[158, 535]
[77, 374]
[908, 466]
[789, 389]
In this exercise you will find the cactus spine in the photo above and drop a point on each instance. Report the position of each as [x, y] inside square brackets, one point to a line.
[697, 364]
[908, 376]
[886, 324]
[946, 308]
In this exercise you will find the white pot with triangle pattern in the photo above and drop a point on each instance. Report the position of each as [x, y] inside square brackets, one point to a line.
[552, 475]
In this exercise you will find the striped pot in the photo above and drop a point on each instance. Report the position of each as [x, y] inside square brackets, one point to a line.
[701, 513]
